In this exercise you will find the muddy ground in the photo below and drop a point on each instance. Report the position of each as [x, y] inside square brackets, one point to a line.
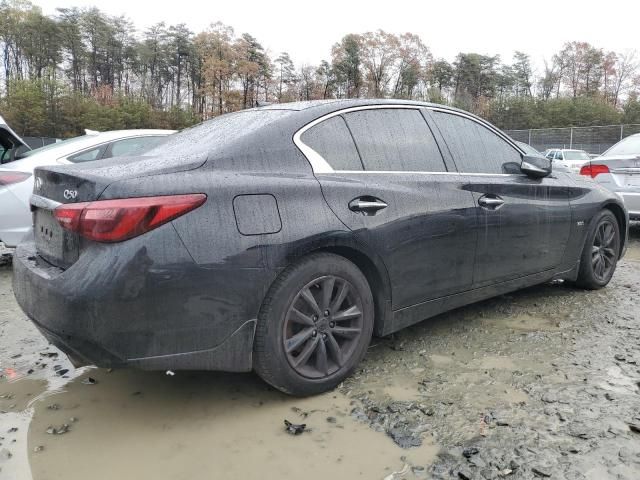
[541, 383]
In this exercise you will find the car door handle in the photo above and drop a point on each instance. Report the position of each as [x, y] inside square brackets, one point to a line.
[492, 202]
[367, 205]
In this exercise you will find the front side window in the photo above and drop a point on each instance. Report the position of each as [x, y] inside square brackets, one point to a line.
[475, 148]
[395, 140]
[333, 142]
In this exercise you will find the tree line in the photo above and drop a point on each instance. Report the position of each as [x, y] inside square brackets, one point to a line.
[83, 68]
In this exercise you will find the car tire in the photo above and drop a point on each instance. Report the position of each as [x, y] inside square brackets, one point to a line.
[314, 326]
[600, 253]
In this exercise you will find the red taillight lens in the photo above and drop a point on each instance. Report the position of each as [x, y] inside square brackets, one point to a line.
[8, 178]
[593, 171]
[121, 219]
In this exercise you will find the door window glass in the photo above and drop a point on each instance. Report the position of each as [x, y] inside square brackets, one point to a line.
[475, 148]
[333, 142]
[87, 155]
[395, 139]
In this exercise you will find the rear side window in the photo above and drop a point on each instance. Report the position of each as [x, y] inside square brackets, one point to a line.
[88, 155]
[395, 140]
[475, 148]
[131, 146]
[333, 142]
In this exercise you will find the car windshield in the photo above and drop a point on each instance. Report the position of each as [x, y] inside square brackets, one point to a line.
[628, 146]
[53, 146]
[576, 155]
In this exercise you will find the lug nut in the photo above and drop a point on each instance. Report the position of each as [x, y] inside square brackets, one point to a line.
[314, 333]
[332, 324]
[326, 313]
[315, 318]
[324, 336]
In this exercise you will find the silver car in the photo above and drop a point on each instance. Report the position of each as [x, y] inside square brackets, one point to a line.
[618, 170]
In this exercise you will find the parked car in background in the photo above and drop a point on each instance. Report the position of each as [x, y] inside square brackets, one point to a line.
[280, 238]
[618, 170]
[569, 158]
[11, 145]
[16, 178]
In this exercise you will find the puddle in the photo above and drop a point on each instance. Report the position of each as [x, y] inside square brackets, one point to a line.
[146, 425]
[15, 396]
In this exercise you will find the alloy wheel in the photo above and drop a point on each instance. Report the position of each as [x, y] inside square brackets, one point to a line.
[604, 250]
[322, 326]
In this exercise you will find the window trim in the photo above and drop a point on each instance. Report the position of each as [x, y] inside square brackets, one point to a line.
[320, 165]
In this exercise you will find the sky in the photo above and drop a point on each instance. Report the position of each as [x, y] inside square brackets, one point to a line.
[307, 29]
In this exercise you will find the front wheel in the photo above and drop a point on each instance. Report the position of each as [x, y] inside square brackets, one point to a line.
[600, 254]
[314, 326]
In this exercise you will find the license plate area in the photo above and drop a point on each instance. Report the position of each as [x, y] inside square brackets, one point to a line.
[53, 243]
[632, 180]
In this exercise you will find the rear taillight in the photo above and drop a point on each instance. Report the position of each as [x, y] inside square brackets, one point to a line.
[591, 170]
[121, 219]
[9, 178]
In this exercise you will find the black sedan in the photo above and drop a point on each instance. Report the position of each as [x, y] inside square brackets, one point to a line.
[280, 239]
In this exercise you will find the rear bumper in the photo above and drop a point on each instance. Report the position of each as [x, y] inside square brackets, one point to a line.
[632, 203]
[122, 306]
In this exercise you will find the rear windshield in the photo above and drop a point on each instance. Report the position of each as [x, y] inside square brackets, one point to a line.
[205, 136]
[628, 146]
[54, 146]
[569, 155]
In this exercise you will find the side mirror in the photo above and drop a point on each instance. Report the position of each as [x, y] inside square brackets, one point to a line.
[535, 167]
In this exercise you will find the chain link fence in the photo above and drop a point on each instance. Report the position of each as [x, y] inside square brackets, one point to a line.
[593, 140]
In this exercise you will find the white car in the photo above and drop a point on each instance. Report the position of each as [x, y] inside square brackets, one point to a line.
[569, 158]
[16, 177]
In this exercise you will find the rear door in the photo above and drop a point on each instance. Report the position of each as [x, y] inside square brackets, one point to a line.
[523, 223]
[389, 183]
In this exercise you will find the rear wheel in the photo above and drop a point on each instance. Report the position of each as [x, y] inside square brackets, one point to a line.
[600, 254]
[314, 325]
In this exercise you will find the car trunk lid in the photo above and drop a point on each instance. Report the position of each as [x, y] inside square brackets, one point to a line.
[58, 185]
[624, 170]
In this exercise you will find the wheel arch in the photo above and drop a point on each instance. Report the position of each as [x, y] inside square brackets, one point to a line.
[621, 216]
[369, 264]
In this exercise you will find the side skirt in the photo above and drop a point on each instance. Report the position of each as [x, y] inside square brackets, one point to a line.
[416, 313]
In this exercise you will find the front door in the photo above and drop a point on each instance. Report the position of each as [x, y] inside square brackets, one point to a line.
[523, 223]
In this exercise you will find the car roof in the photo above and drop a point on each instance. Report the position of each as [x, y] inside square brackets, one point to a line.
[338, 104]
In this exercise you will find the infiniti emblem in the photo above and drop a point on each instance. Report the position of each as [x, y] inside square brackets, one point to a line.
[38, 183]
[70, 194]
